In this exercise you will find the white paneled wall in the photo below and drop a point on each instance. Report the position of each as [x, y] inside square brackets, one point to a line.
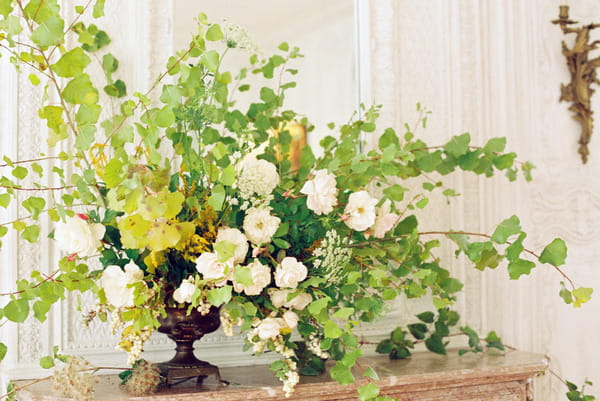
[494, 68]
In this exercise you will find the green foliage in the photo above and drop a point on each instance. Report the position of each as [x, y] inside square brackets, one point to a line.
[574, 394]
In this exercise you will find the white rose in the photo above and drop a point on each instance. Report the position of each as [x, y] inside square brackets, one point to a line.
[115, 283]
[291, 319]
[260, 225]
[261, 277]
[360, 211]
[211, 268]
[269, 328]
[384, 221]
[133, 272]
[321, 191]
[185, 291]
[279, 298]
[237, 238]
[77, 236]
[300, 301]
[256, 176]
[289, 273]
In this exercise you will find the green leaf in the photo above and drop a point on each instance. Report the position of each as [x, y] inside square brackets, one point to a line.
[41, 10]
[210, 60]
[426, 317]
[34, 205]
[519, 267]
[219, 296]
[506, 229]
[72, 63]
[4, 200]
[85, 138]
[451, 285]
[88, 114]
[418, 330]
[80, 90]
[555, 253]
[435, 344]
[47, 362]
[243, 275]
[458, 145]
[40, 310]
[20, 172]
[17, 310]
[331, 330]
[581, 295]
[395, 192]
[165, 117]
[31, 233]
[342, 374]
[98, 9]
[5, 9]
[49, 32]
[495, 145]
[343, 313]
[315, 307]
[368, 391]
[214, 33]
[370, 372]
[3, 350]
[565, 294]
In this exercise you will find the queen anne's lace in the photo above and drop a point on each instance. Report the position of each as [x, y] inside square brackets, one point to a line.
[332, 255]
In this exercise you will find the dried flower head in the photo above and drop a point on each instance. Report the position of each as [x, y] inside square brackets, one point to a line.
[143, 379]
[75, 379]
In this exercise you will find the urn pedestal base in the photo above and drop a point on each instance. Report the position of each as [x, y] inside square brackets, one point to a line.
[184, 330]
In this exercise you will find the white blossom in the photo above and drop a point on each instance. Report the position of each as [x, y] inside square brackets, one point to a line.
[384, 221]
[238, 239]
[269, 328]
[360, 211]
[279, 299]
[184, 293]
[291, 319]
[321, 191]
[77, 236]
[211, 268]
[261, 277]
[256, 177]
[290, 272]
[116, 284]
[259, 225]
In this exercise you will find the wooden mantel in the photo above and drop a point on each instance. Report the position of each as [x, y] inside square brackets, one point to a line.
[424, 377]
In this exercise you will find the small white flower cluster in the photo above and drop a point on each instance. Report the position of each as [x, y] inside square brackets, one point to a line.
[291, 376]
[74, 379]
[332, 255]
[314, 345]
[226, 323]
[116, 322]
[203, 307]
[137, 340]
[237, 37]
[256, 177]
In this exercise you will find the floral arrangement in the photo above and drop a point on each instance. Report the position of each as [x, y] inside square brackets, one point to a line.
[188, 201]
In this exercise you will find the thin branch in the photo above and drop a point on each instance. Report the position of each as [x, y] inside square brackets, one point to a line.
[31, 161]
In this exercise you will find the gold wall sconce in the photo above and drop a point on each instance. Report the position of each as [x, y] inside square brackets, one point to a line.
[583, 74]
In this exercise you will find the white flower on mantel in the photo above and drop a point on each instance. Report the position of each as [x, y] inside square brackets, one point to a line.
[259, 225]
[261, 277]
[211, 268]
[237, 238]
[117, 284]
[256, 176]
[321, 191]
[359, 213]
[269, 328]
[184, 293]
[384, 221]
[77, 236]
[290, 272]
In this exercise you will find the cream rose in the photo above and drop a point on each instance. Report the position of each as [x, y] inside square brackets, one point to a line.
[321, 191]
[185, 292]
[269, 328]
[77, 236]
[279, 299]
[260, 226]
[237, 238]
[211, 268]
[116, 284]
[256, 176]
[360, 211]
[384, 221]
[289, 273]
[291, 319]
[261, 277]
